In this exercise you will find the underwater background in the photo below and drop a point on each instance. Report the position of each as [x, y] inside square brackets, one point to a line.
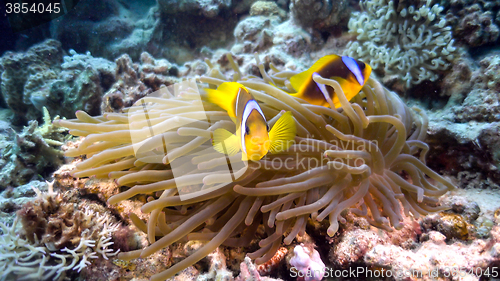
[435, 63]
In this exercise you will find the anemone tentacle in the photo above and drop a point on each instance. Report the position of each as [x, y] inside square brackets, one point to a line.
[367, 157]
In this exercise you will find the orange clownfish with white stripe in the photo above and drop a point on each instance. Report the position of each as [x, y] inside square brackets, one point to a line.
[252, 136]
[350, 73]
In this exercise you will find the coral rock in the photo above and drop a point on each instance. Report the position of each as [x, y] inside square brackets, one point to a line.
[266, 8]
[255, 33]
[43, 77]
[249, 272]
[34, 69]
[476, 27]
[30, 153]
[136, 80]
[353, 246]
[209, 9]
[320, 14]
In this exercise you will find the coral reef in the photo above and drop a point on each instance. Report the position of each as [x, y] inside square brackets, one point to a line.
[361, 172]
[44, 77]
[81, 84]
[255, 33]
[208, 236]
[490, 68]
[323, 15]
[464, 133]
[57, 235]
[482, 103]
[426, 263]
[31, 153]
[136, 80]
[462, 70]
[163, 28]
[476, 27]
[352, 246]
[465, 150]
[412, 43]
[273, 33]
[357, 238]
[266, 8]
[307, 263]
[209, 9]
[424, 249]
[217, 270]
[249, 272]
[24, 73]
[105, 28]
[452, 226]
[149, 46]
[12, 199]
[475, 23]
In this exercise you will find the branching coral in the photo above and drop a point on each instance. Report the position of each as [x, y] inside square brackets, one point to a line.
[53, 239]
[413, 43]
[367, 158]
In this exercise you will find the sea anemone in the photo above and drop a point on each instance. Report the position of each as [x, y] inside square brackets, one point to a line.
[367, 157]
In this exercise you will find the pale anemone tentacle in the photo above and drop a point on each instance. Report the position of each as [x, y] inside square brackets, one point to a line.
[351, 158]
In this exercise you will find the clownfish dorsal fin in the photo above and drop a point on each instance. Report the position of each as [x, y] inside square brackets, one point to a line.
[225, 96]
[301, 79]
[217, 97]
[283, 133]
[225, 142]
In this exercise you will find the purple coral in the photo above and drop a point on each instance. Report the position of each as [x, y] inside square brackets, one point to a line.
[307, 263]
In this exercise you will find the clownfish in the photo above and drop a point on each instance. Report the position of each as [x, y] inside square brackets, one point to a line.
[350, 73]
[253, 135]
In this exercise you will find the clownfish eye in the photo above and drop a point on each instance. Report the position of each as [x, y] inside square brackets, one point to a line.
[267, 127]
[247, 130]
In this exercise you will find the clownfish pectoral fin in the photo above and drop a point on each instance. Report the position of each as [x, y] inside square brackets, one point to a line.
[283, 133]
[225, 142]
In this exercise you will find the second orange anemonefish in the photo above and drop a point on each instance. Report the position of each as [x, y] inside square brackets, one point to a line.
[350, 73]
